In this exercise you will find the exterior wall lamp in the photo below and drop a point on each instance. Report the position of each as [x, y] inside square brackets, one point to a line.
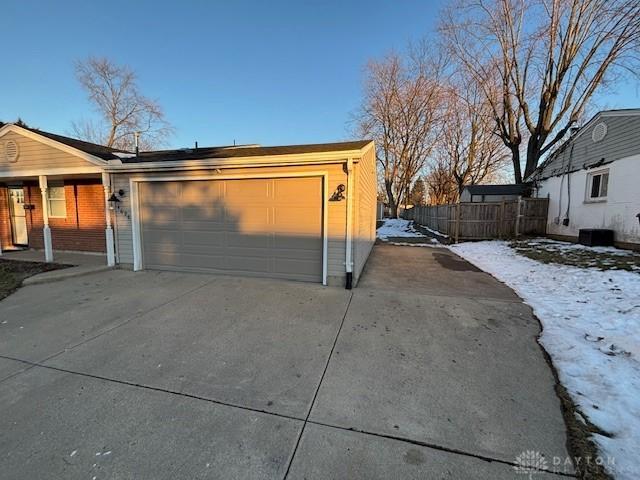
[113, 201]
[338, 194]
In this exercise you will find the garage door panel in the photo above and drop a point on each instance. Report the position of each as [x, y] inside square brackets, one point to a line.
[204, 261]
[201, 192]
[248, 219]
[195, 238]
[203, 226]
[298, 242]
[242, 240]
[258, 264]
[289, 191]
[205, 212]
[155, 236]
[297, 220]
[247, 191]
[161, 215]
[297, 255]
[158, 193]
[266, 227]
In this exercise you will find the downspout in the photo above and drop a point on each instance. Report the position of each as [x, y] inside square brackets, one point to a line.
[349, 237]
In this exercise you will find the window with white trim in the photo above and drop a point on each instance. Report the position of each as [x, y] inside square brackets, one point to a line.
[597, 186]
[57, 201]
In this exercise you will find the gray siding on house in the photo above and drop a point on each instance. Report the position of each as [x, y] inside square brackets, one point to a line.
[37, 156]
[622, 140]
[124, 237]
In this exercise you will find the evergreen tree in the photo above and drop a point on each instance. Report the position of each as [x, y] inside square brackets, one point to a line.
[417, 195]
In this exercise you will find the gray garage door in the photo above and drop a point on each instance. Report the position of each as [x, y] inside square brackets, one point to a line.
[263, 227]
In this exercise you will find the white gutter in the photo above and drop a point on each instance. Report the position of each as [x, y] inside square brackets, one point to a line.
[349, 237]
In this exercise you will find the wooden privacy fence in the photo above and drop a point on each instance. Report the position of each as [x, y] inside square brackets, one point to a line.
[481, 221]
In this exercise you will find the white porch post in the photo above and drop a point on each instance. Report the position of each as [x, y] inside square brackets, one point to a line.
[48, 247]
[111, 255]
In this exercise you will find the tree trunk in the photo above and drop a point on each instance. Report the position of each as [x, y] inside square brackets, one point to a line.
[517, 169]
[533, 156]
[393, 207]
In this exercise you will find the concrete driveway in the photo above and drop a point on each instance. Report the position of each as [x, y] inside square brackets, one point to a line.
[429, 369]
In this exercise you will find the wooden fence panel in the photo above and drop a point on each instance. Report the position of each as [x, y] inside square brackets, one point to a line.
[482, 221]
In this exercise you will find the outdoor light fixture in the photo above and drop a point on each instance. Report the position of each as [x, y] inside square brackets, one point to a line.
[113, 201]
[338, 194]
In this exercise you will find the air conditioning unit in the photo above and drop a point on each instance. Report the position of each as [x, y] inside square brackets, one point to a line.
[595, 237]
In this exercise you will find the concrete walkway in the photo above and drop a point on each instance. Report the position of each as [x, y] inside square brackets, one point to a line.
[429, 369]
[81, 264]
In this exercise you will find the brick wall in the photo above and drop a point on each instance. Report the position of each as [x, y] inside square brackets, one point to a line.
[5, 222]
[83, 227]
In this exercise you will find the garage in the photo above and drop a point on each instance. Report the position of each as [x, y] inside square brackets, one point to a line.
[270, 227]
[294, 212]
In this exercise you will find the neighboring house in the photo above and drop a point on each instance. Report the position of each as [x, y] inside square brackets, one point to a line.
[593, 179]
[493, 193]
[303, 212]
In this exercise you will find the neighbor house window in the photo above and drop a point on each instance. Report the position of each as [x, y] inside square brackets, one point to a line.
[597, 185]
[57, 202]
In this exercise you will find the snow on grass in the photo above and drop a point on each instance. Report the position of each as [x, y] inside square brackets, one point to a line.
[397, 227]
[591, 321]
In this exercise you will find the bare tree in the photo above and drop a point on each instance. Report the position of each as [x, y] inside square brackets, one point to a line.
[541, 61]
[441, 188]
[401, 110]
[469, 148]
[122, 109]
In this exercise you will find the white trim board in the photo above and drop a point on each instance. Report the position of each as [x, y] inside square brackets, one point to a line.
[50, 172]
[136, 227]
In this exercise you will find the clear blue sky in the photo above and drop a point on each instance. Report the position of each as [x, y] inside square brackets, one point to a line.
[269, 72]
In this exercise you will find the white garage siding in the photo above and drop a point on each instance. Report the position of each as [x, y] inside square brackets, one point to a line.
[364, 211]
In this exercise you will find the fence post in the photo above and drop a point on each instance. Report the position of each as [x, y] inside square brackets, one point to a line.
[518, 213]
[457, 224]
[501, 224]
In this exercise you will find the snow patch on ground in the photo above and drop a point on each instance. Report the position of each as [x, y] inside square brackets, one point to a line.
[591, 321]
[397, 227]
[567, 246]
[435, 232]
[434, 244]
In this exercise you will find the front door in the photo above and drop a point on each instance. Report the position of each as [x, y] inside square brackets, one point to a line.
[18, 216]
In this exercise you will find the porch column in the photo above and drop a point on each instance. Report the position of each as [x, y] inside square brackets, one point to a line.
[48, 247]
[111, 255]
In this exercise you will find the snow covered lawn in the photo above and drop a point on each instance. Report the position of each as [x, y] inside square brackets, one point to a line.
[591, 321]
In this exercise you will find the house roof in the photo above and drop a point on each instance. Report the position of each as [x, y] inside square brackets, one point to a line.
[100, 151]
[156, 157]
[511, 189]
[239, 151]
[622, 138]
